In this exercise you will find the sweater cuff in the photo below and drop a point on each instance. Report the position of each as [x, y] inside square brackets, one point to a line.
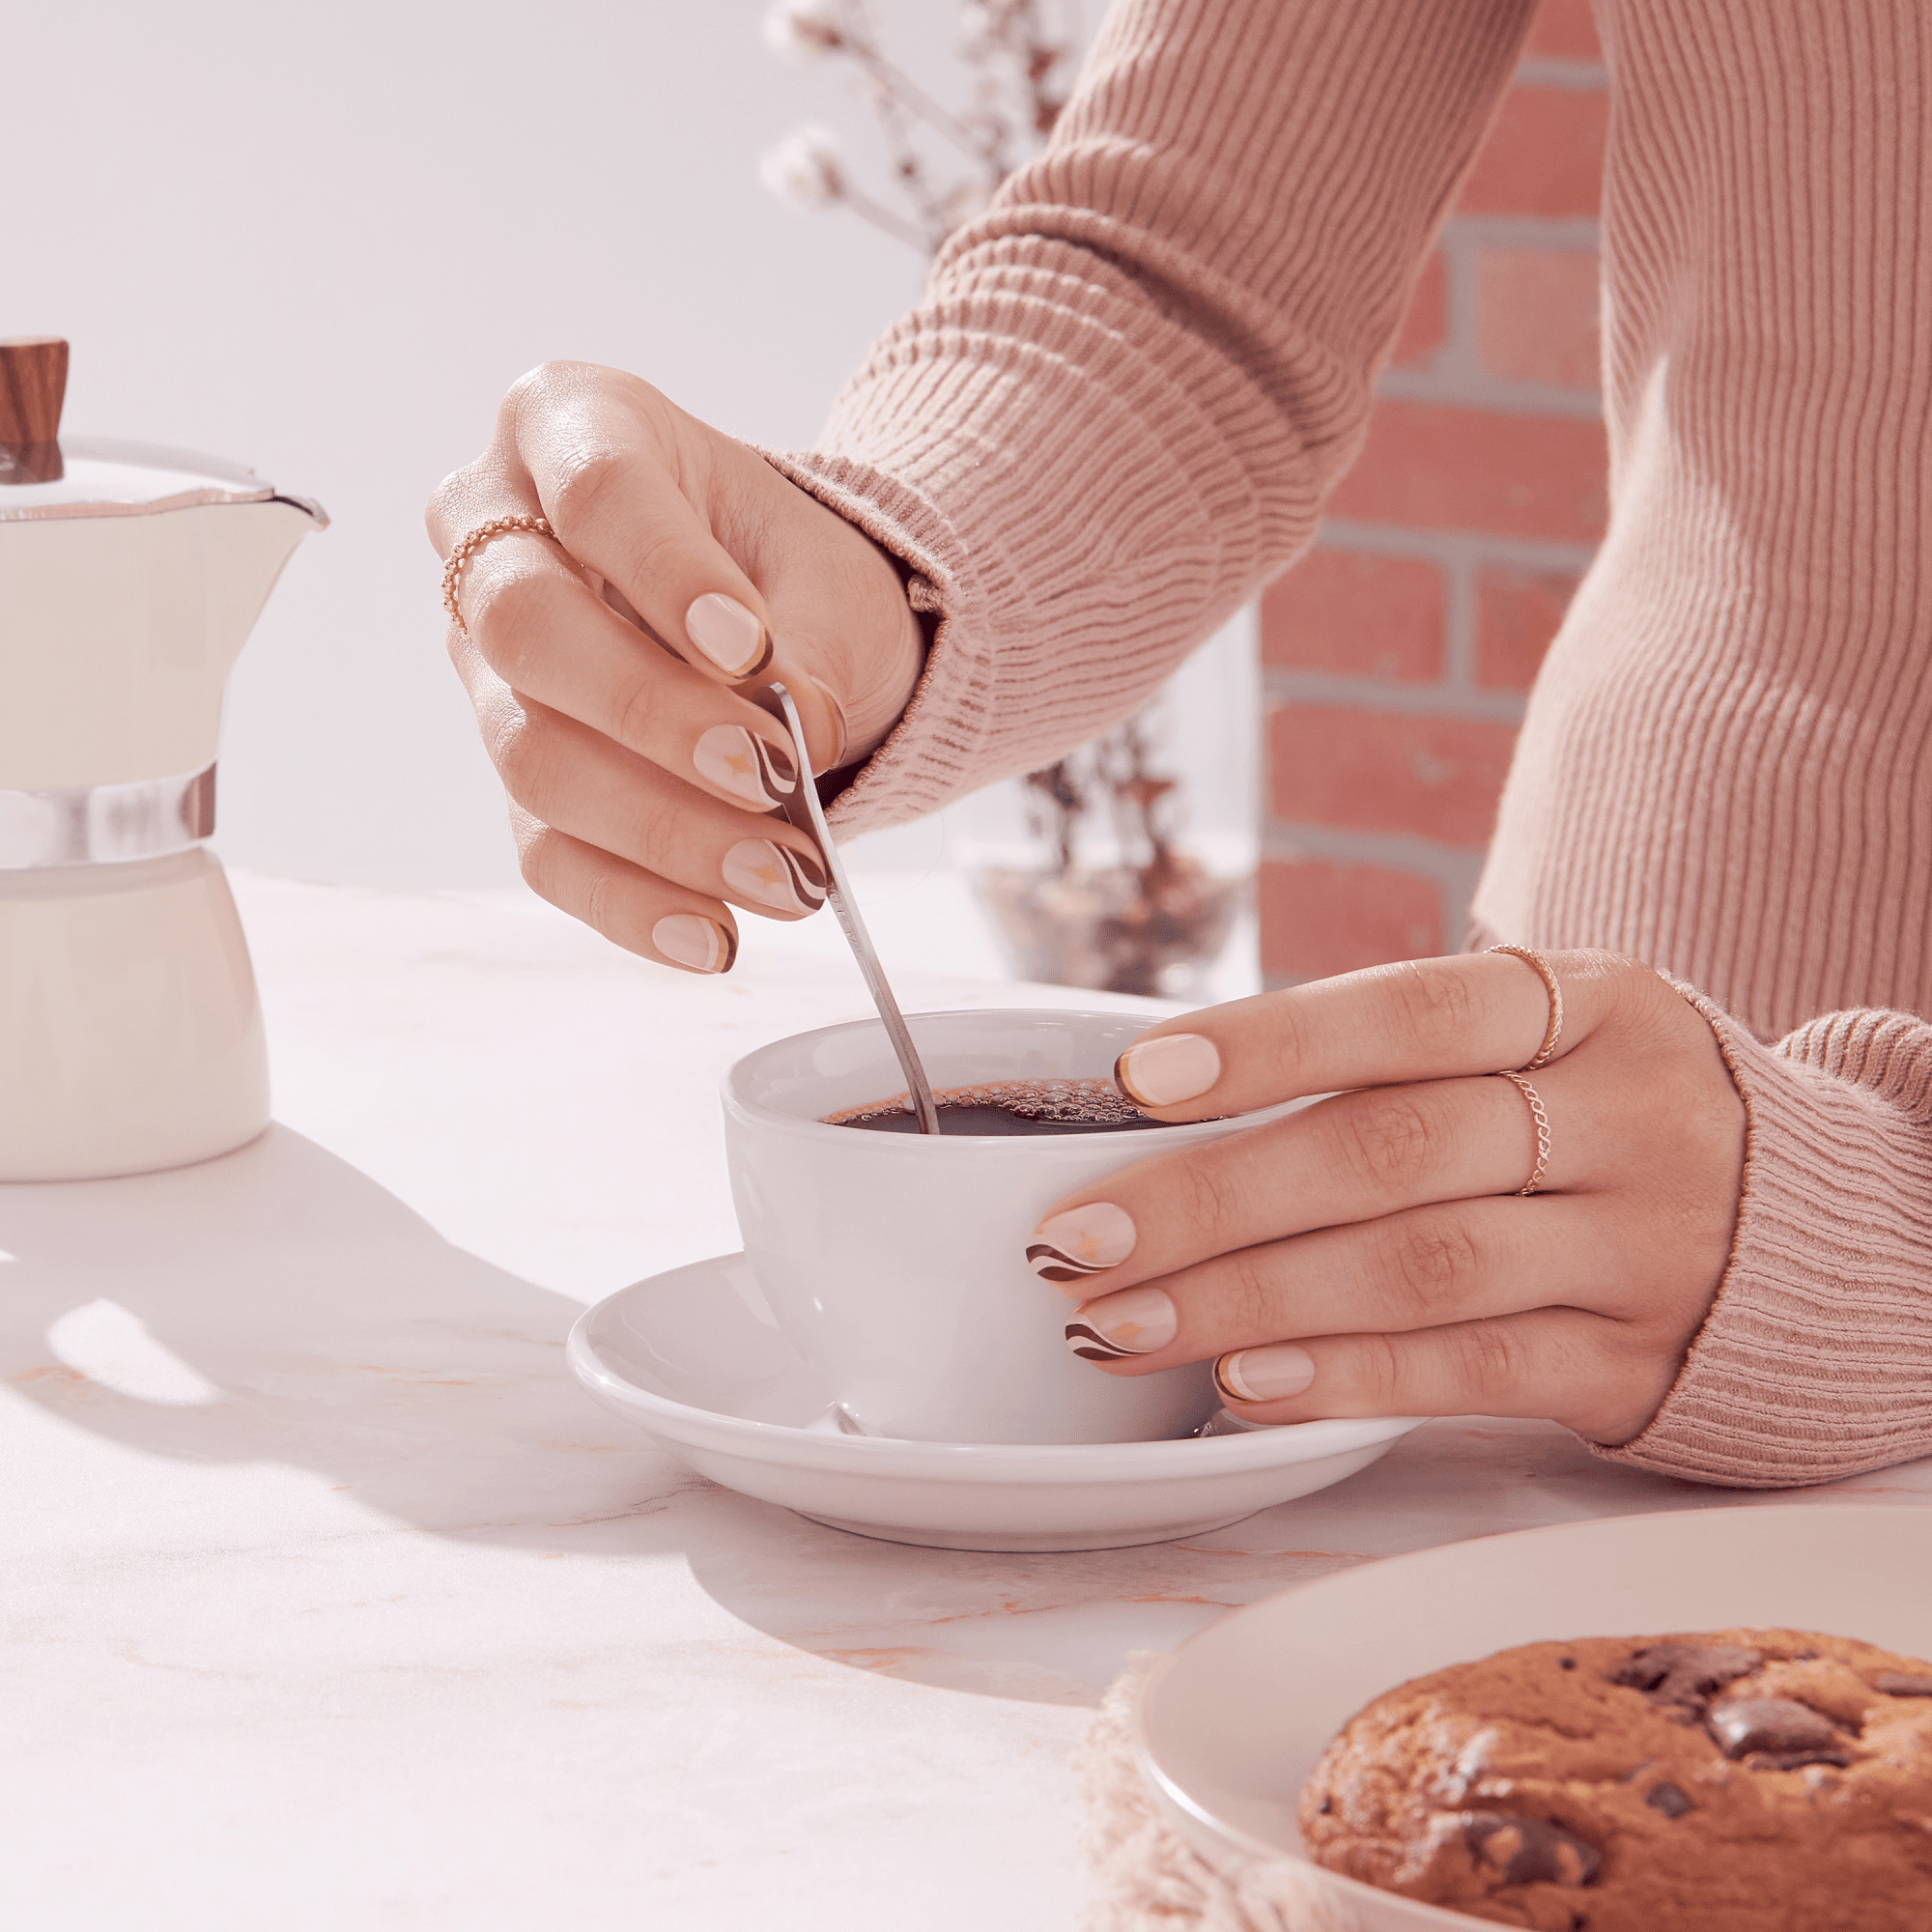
[1815, 1360]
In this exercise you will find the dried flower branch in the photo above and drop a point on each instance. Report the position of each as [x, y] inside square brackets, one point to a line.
[1012, 62]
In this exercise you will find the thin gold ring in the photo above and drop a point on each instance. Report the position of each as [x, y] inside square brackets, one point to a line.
[1553, 1032]
[1542, 1121]
[497, 527]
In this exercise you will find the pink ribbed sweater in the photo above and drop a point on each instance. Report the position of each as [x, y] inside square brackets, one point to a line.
[1132, 382]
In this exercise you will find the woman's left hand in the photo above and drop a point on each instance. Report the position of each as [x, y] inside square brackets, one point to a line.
[1370, 1253]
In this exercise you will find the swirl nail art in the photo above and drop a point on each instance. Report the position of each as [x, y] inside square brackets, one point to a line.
[1136, 1321]
[774, 875]
[1081, 1241]
[741, 762]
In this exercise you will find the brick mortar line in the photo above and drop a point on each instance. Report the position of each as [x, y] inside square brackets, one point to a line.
[1460, 388]
[1454, 868]
[1585, 76]
[1322, 690]
[1543, 234]
[1447, 547]
[1458, 626]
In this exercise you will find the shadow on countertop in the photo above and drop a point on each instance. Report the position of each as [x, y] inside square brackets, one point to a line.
[277, 1305]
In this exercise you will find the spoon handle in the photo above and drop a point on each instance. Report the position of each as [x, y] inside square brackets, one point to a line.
[840, 892]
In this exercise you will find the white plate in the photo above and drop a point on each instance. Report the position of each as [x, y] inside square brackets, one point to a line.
[1230, 1725]
[695, 1358]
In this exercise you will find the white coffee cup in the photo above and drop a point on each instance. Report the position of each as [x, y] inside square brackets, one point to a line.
[895, 1263]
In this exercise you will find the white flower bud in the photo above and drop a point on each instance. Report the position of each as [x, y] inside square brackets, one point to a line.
[802, 30]
[804, 169]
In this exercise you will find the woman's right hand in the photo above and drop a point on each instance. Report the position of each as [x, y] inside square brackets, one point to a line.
[613, 671]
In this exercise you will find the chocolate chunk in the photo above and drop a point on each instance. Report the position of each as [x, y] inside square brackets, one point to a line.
[1527, 1851]
[1791, 1760]
[1682, 1676]
[1566, 1663]
[1668, 1798]
[1763, 1727]
[1896, 1683]
[1327, 1806]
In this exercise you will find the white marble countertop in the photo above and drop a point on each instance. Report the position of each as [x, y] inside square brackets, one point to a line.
[330, 1600]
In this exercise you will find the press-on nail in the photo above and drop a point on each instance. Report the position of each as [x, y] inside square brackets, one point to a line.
[1264, 1374]
[1136, 1321]
[688, 939]
[729, 635]
[1163, 1072]
[1082, 1242]
[775, 875]
[741, 762]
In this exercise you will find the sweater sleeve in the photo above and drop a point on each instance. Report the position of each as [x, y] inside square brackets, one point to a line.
[1815, 1360]
[1131, 382]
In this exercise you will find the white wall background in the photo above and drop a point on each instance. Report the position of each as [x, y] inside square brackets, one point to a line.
[322, 241]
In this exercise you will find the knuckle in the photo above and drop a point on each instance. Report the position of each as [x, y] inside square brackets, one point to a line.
[633, 713]
[512, 616]
[599, 910]
[537, 854]
[1209, 1199]
[526, 768]
[1489, 1359]
[1289, 1044]
[1378, 1373]
[585, 478]
[1391, 1140]
[1428, 1002]
[1247, 1295]
[1428, 1262]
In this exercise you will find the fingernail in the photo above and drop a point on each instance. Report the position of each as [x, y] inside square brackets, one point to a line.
[687, 939]
[741, 762]
[729, 635]
[1163, 1072]
[1264, 1374]
[837, 711]
[1082, 1242]
[775, 876]
[1136, 1321]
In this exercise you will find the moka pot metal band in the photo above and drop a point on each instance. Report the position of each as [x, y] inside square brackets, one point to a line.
[106, 824]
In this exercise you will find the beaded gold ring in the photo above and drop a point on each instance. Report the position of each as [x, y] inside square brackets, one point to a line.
[474, 541]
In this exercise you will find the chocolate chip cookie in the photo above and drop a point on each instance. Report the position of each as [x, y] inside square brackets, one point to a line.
[1733, 1781]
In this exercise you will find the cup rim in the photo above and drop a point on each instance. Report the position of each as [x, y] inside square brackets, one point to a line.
[737, 1102]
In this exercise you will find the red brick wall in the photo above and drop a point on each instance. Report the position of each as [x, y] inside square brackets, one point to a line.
[1395, 657]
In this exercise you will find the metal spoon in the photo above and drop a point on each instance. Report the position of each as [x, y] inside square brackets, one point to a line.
[809, 815]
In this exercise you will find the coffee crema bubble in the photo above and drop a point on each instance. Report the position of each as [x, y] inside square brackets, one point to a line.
[1008, 1109]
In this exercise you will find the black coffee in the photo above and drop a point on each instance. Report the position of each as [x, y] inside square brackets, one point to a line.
[1007, 1108]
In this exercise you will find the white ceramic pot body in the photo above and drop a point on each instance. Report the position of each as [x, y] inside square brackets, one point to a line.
[117, 633]
[895, 1263]
[130, 1034]
[131, 1037]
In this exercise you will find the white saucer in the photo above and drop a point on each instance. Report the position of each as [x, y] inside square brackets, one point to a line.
[695, 1358]
[1230, 1726]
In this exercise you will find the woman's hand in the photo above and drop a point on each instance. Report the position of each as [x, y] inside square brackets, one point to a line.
[613, 669]
[1370, 1253]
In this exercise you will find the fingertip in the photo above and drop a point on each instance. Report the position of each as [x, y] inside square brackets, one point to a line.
[1168, 1069]
[729, 636]
[695, 944]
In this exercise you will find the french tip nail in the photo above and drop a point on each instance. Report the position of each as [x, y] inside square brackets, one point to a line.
[1168, 1071]
[1270, 1373]
[729, 635]
[699, 944]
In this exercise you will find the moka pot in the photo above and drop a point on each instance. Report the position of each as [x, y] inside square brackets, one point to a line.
[131, 1033]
